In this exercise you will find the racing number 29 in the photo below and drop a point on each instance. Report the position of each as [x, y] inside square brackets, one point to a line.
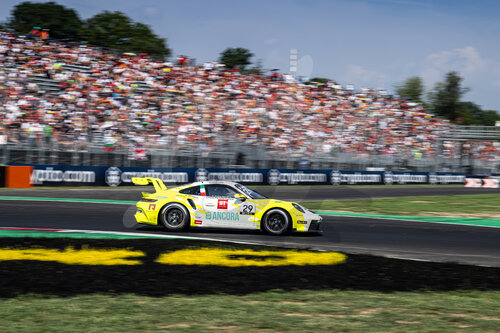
[247, 209]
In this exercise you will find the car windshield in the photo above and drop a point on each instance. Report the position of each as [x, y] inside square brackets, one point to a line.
[251, 193]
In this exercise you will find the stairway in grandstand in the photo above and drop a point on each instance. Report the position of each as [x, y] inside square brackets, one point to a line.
[45, 84]
[141, 86]
[77, 68]
[51, 86]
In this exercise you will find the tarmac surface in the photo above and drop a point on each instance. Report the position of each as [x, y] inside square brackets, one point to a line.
[397, 239]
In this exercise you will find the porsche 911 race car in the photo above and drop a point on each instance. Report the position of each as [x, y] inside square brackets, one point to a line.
[220, 204]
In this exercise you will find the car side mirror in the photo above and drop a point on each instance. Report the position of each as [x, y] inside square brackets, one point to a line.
[240, 196]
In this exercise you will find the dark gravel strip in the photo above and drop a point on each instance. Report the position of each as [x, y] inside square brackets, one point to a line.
[359, 272]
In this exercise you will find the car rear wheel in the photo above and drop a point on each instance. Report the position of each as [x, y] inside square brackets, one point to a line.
[174, 217]
[276, 222]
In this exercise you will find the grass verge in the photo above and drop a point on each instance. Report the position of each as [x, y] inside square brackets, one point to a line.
[478, 205]
[276, 311]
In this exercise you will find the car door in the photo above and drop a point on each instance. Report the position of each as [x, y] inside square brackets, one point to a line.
[223, 209]
[195, 199]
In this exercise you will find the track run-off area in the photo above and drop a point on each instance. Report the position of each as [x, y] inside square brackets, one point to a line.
[111, 210]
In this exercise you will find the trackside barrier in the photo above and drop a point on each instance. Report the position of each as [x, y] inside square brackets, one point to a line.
[482, 182]
[490, 183]
[65, 175]
[18, 176]
[473, 182]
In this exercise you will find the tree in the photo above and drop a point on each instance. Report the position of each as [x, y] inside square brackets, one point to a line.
[445, 98]
[116, 30]
[469, 113]
[489, 117]
[411, 89]
[63, 22]
[257, 69]
[232, 57]
[444, 101]
[320, 80]
[472, 114]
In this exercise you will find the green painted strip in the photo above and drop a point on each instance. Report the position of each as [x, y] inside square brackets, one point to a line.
[87, 234]
[45, 234]
[480, 222]
[118, 202]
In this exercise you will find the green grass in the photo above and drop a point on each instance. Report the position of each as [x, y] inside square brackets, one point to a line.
[252, 186]
[479, 205]
[277, 311]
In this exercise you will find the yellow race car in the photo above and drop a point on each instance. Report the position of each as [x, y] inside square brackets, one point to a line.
[220, 204]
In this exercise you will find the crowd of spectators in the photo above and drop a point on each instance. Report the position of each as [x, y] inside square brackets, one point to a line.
[130, 101]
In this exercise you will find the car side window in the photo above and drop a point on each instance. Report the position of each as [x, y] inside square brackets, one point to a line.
[194, 190]
[220, 191]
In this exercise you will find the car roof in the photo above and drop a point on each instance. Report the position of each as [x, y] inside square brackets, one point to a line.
[212, 182]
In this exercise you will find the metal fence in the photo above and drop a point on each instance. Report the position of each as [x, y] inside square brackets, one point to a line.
[471, 133]
[22, 147]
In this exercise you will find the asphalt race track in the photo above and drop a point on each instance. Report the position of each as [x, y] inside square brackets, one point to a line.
[400, 239]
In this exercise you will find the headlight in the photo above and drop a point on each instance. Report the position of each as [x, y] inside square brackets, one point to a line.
[298, 207]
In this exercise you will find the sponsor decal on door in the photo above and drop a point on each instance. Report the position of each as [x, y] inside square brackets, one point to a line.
[222, 204]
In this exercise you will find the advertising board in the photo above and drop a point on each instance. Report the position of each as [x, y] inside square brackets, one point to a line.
[64, 175]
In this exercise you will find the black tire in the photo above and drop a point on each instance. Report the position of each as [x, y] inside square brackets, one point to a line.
[174, 217]
[276, 222]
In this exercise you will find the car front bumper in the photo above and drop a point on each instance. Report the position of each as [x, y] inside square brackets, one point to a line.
[310, 222]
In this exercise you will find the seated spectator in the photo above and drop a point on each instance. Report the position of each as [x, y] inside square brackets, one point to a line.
[84, 95]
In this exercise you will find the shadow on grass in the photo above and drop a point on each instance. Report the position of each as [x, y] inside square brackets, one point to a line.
[359, 272]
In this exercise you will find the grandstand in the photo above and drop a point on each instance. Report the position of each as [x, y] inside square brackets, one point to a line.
[79, 105]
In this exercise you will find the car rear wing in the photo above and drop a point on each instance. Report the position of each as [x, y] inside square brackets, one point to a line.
[156, 182]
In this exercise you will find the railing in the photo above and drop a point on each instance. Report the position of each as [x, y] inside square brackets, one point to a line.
[471, 133]
[90, 150]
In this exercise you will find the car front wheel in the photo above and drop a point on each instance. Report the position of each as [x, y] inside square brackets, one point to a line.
[276, 222]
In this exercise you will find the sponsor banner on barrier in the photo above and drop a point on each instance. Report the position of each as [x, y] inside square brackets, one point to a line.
[446, 178]
[473, 182]
[338, 177]
[115, 176]
[253, 176]
[265, 176]
[486, 182]
[63, 175]
[56, 175]
[405, 178]
[490, 183]
[294, 177]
